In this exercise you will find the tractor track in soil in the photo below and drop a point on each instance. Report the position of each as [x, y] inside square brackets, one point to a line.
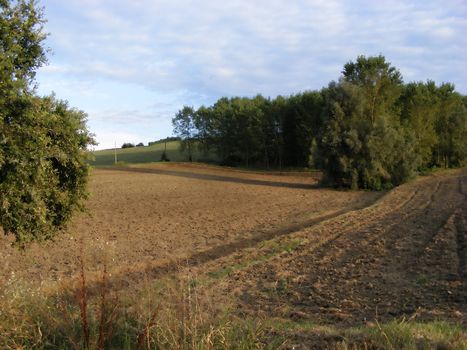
[399, 254]
[147, 222]
[377, 260]
[402, 256]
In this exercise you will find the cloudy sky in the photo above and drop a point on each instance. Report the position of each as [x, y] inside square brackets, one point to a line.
[132, 64]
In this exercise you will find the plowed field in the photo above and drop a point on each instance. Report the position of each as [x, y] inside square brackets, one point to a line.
[273, 245]
[142, 218]
[403, 256]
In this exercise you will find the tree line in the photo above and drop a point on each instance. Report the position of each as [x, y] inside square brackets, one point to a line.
[366, 130]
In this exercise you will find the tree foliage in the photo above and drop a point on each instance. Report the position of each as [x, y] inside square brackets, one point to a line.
[254, 131]
[184, 127]
[128, 145]
[362, 141]
[43, 141]
[368, 130]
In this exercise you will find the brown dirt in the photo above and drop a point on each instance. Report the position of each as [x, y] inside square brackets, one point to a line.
[404, 256]
[360, 255]
[148, 220]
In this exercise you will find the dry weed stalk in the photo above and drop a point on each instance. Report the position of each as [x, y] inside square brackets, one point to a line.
[144, 335]
[107, 311]
[383, 332]
[82, 298]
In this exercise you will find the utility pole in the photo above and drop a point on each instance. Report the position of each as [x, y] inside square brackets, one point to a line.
[115, 152]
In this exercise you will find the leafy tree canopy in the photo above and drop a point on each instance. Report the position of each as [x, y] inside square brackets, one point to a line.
[43, 142]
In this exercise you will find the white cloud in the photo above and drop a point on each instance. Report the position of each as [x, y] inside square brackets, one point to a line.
[193, 52]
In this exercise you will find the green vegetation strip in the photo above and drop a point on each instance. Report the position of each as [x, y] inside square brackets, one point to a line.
[269, 248]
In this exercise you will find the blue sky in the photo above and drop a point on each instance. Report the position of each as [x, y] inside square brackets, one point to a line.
[131, 65]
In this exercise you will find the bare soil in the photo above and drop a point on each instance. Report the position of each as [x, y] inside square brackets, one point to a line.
[402, 257]
[270, 245]
[151, 219]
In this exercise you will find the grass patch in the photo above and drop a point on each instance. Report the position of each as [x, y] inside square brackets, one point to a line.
[281, 324]
[407, 335]
[175, 314]
[422, 280]
[269, 249]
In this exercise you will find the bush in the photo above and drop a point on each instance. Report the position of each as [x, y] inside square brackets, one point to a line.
[43, 142]
[43, 168]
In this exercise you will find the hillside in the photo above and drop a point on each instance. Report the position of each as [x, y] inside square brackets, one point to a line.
[147, 154]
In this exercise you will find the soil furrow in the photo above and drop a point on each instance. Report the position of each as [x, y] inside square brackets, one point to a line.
[379, 265]
[460, 222]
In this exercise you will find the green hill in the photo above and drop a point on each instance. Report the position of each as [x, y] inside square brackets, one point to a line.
[148, 154]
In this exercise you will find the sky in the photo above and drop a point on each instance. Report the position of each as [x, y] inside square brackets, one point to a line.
[131, 65]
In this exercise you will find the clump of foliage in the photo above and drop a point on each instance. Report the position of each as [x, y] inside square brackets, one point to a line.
[43, 141]
[128, 145]
[362, 141]
[378, 133]
[167, 139]
[253, 131]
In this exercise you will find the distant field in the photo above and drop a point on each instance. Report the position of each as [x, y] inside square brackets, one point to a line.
[147, 154]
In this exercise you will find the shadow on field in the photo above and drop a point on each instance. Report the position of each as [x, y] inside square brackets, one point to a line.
[220, 178]
[124, 279]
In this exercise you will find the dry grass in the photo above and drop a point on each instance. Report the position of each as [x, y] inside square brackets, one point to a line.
[167, 314]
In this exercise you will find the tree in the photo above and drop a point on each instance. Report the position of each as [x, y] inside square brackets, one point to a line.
[203, 123]
[184, 127]
[43, 142]
[381, 83]
[301, 124]
[21, 49]
[451, 128]
[128, 145]
[419, 104]
[363, 143]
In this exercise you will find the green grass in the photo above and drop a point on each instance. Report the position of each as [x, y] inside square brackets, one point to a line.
[409, 335]
[281, 324]
[269, 249]
[147, 154]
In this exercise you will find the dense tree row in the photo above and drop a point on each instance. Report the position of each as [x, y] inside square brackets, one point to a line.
[253, 131]
[368, 130]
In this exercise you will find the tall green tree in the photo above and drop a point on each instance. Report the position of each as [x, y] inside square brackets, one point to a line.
[43, 142]
[363, 143]
[380, 82]
[203, 121]
[301, 124]
[419, 105]
[185, 128]
[451, 128]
